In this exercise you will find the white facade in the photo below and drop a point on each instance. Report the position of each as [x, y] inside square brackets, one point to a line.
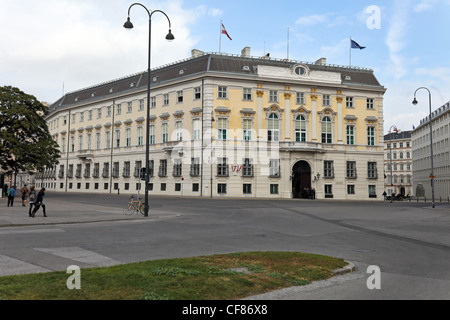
[421, 148]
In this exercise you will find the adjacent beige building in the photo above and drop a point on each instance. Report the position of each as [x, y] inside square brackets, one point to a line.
[226, 125]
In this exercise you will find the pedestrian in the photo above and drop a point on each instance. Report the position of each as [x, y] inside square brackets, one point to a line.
[32, 199]
[24, 194]
[11, 195]
[384, 195]
[39, 202]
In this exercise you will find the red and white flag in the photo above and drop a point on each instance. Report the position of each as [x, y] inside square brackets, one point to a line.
[224, 31]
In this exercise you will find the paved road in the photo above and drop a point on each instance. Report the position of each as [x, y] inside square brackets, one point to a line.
[410, 242]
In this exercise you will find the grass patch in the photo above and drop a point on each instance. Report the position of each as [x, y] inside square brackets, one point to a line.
[200, 278]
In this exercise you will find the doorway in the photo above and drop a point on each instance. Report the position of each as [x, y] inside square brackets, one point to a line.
[301, 180]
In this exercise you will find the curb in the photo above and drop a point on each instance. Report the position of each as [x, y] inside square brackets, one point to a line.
[347, 269]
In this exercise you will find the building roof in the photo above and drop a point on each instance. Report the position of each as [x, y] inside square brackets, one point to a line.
[404, 135]
[201, 62]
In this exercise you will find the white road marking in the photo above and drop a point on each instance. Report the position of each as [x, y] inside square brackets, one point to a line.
[81, 255]
[10, 266]
[6, 232]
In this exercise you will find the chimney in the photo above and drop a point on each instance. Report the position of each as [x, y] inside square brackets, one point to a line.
[197, 53]
[321, 62]
[245, 52]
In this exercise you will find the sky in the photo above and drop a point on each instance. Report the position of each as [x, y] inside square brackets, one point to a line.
[52, 47]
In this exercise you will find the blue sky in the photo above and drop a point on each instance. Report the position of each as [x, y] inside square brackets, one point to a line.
[55, 46]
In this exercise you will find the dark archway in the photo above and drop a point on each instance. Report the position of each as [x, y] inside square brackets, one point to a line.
[301, 180]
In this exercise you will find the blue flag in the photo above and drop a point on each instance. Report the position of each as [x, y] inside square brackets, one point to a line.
[355, 45]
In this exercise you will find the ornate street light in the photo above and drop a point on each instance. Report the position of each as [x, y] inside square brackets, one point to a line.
[169, 37]
[432, 177]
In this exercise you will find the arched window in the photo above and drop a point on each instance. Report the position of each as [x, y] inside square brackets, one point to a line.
[300, 129]
[327, 130]
[273, 128]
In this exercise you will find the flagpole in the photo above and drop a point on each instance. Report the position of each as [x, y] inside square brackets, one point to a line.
[350, 52]
[220, 37]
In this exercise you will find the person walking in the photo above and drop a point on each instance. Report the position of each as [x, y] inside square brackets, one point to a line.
[24, 194]
[11, 195]
[32, 199]
[39, 202]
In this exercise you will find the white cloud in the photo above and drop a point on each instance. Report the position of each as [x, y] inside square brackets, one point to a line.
[311, 20]
[83, 42]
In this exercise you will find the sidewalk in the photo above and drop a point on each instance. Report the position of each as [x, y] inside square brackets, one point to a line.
[60, 213]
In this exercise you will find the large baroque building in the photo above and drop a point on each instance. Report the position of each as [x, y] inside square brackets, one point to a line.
[421, 148]
[225, 125]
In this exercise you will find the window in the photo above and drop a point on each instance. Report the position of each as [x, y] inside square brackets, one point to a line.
[177, 168]
[197, 93]
[96, 173]
[371, 136]
[165, 132]
[328, 191]
[195, 167]
[130, 107]
[350, 189]
[162, 168]
[372, 172]
[372, 191]
[152, 103]
[350, 135]
[63, 145]
[163, 187]
[273, 96]
[326, 100]
[370, 104]
[222, 125]
[78, 173]
[247, 125]
[328, 169]
[179, 130]
[72, 144]
[273, 189]
[222, 188]
[152, 135]
[223, 93]
[126, 169]
[118, 138]
[300, 98]
[247, 189]
[195, 187]
[128, 137]
[166, 99]
[98, 140]
[197, 129]
[141, 104]
[222, 167]
[300, 129]
[119, 110]
[108, 139]
[82, 117]
[115, 172]
[273, 128]
[137, 169]
[349, 102]
[105, 173]
[180, 97]
[108, 111]
[90, 115]
[177, 187]
[247, 94]
[89, 141]
[351, 170]
[140, 135]
[327, 130]
[274, 168]
[247, 168]
[80, 142]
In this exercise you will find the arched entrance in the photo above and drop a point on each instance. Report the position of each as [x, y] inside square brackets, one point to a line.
[301, 180]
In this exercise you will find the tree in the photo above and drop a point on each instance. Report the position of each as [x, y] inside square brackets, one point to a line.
[25, 141]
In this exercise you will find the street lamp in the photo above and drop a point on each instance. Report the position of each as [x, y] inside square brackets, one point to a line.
[169, 37]
[415, 102]
[390, 156]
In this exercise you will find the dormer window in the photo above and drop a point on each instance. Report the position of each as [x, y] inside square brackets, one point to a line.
[301, 70]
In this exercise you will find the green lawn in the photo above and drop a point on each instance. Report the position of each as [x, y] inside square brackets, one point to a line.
[201, 278]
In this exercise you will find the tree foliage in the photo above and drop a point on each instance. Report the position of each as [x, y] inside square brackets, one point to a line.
[25, 141]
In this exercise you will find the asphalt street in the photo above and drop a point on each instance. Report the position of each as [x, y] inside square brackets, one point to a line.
[409, 241]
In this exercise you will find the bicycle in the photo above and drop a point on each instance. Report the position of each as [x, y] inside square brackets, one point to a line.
[134, 205]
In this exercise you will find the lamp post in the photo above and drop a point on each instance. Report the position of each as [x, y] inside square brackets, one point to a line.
[169, 37]
[390, 156]
[415, 102]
